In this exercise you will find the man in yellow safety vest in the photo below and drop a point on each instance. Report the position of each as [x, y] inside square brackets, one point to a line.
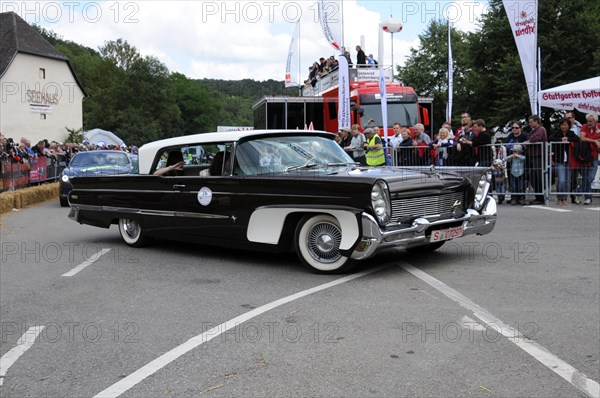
[375, 156]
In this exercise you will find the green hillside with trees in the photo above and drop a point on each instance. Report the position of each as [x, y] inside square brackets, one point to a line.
[140, 100]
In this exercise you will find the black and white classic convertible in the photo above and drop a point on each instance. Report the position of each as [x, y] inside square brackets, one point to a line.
[281, 191]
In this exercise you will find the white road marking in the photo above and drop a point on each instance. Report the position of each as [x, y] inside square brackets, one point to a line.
[23, 344]
[471, 324]
[554, 363]
[550, 208]
[593, 208]
[87, 262]
[149, 369]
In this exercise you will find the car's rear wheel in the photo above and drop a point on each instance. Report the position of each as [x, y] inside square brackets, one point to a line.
[132, 232]
[427, 248]
[317, 241]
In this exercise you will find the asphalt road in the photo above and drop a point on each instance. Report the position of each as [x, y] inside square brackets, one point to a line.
[503, 315]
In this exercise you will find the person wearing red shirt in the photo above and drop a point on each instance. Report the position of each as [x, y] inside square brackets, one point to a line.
[590, 132]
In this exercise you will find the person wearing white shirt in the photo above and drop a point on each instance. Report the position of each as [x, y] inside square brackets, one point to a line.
[575, 125]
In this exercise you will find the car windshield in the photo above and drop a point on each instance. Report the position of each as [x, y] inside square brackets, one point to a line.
[92, 159]
[287, 154]
[407, 114]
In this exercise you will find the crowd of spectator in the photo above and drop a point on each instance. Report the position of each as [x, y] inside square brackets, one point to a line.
[46, 158]
[517, 161]
[23, 151]
[327, 65]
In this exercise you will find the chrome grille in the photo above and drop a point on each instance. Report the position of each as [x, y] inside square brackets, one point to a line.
[410, 208]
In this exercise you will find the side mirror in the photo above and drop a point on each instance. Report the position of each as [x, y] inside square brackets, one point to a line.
[426, 116]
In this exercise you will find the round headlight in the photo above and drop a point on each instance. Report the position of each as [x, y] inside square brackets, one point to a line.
[375, 194]
[482, 189]
[65, 178]
[380, 201]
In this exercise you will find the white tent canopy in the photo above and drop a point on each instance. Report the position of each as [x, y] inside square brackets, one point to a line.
[101, 137]
[583, 95]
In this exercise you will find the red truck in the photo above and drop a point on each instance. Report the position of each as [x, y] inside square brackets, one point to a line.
[319, 105]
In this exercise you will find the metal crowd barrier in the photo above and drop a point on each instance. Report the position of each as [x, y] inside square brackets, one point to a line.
[565, 176]
[542, 177]
[17, 175]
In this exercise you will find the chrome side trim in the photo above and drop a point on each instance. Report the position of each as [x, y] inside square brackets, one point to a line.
[150, 212]
[214, 193]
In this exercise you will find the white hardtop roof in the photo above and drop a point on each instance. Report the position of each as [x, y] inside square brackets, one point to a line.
[148, 151]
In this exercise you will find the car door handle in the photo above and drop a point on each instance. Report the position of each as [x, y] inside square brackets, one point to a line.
[178, 186]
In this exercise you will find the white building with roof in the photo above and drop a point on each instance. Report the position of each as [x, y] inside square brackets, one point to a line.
[41, 95]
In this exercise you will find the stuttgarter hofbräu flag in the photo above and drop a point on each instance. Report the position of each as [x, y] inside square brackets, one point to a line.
[291, 78]
[330, 15]
[343, 94]
[523, 18]
[450, 77]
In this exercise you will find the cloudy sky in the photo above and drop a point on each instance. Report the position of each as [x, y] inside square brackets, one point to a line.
[234, 39]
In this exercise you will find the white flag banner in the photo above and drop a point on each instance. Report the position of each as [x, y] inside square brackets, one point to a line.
[343, 94]
[384, 115]
[291, 77]
[523, 18]
[330, 15]
[450, 77]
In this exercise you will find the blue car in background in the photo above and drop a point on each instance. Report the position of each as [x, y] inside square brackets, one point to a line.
[94, 163]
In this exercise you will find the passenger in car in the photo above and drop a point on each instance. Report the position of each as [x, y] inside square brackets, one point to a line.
[217, 167]
[174, 165]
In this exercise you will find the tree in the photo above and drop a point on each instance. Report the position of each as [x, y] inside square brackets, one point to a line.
[488, 77]
[426, 69]
[200, 109]
[569, 41]
[120, 53]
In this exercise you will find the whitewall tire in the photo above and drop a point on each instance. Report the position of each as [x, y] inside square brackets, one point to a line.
[132, 232]
[317, 241]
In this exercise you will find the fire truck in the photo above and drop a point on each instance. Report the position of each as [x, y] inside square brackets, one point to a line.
[318, 105]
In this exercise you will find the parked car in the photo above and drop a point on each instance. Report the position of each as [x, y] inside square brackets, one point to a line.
[282, 191]
[93, 163]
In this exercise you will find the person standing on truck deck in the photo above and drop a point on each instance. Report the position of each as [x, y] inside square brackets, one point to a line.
[372, 62]
[361, 58]
[375, 156]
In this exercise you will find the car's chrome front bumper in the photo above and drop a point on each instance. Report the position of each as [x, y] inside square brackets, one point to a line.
[418, 234]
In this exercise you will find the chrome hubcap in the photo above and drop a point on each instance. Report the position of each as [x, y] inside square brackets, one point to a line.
[131, 228]
[324, 242]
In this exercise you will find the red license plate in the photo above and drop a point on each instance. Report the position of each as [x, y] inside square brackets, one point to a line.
[445, 234]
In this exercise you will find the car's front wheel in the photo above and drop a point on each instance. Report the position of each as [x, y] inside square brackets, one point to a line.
[64, 202]
[132, 232]
[317, 241]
